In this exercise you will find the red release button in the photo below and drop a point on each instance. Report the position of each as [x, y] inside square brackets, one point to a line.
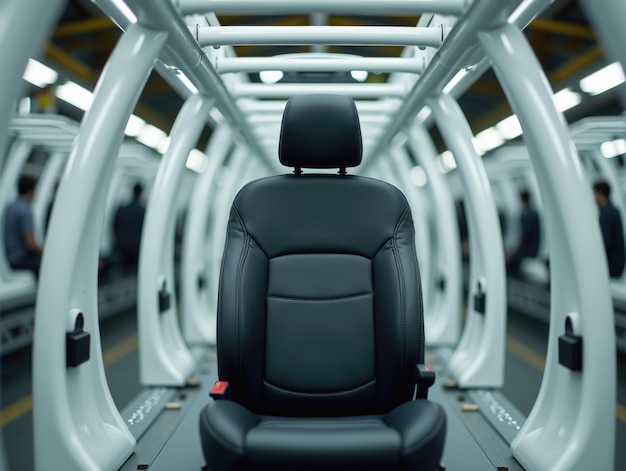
[219, 388]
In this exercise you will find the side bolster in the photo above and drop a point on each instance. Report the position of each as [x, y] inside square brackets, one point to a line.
[227, 309]
[241, 314]
[404, 243]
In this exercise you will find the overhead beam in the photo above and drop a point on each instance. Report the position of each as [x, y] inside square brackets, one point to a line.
[306, 35]
[563, 28]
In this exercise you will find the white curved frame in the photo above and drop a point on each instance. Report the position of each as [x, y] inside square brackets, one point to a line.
[164, 357]
[76, 423]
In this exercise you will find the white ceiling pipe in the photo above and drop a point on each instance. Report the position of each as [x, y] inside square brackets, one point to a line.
[282, 90]
[346, 35]
[283, 7]
[278, 106]
[258, 64]
[454, 55]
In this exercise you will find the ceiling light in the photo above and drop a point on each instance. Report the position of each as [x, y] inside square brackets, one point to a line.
[75, 95]
[151, 136]
[447, 160]
[613, 148]
[270, 76]
[604, 79]
[418, 176]
[39, 74]
[164, 145]
[566, 99]
[134, 126]
[359, 75]
[197, 161]
[487, 140]
[509, 128]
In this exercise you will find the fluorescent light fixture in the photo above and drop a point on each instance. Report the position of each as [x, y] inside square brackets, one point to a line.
[124, 10]
[359, 75]
[197, 161]
[134, 126]
[455, 80]
[418, 176]
[75, 95]
[24, 106]
[151, 136]
[270, 76]
[187, 83]
[509, 128]
[487, 140]
[613, 148]
[604, 79]
[39, 74]
[566, 99]
[447, 160]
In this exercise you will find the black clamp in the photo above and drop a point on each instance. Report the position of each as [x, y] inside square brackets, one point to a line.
[164, 298]
[571, 348]
[77, 344]
[480, 300]
[425, 378]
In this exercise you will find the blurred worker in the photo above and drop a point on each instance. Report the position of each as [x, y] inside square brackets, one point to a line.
[127, 227]
[528, 245]
[611, 227]
[22, 250]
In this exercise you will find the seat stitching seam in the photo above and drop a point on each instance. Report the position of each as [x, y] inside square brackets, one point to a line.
[334, 298]
[398, 263]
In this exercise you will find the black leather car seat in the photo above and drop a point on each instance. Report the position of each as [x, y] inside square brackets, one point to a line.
[320, 315]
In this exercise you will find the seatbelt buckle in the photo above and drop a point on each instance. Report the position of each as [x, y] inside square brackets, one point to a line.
[220, 390]
[425, 378]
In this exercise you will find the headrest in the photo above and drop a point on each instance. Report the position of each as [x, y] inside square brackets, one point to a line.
[320, 131]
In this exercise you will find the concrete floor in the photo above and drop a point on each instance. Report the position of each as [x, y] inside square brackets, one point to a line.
[526, 348]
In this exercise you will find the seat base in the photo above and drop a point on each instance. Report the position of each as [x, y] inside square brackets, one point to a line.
[410, 437]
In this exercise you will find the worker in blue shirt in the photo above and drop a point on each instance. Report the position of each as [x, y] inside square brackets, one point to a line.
[21, 248]
[612, 229]
[528, 245]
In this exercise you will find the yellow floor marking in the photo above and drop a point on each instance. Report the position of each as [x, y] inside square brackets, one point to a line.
[537, 361]
[16, 410]
[120, 350]
[527, 354]
[25, 405]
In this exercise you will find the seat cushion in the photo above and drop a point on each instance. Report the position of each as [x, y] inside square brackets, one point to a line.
[411, 436]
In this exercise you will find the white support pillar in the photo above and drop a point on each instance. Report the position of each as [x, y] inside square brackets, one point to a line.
[571, 426]
[443, 323]
[235, 178]
[25, 23]
[478, 360]
[45, 191]
[76, 423]
[164, 358]
[198, 313]
[400, 165]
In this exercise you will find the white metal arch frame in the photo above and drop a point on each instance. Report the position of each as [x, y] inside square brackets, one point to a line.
[443, 323]
[76, 423]
[164, 357]
[199, 315]
[16, 27]
[567, 428]
[478, 360]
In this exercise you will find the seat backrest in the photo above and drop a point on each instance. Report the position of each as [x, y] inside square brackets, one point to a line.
[320, 305]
